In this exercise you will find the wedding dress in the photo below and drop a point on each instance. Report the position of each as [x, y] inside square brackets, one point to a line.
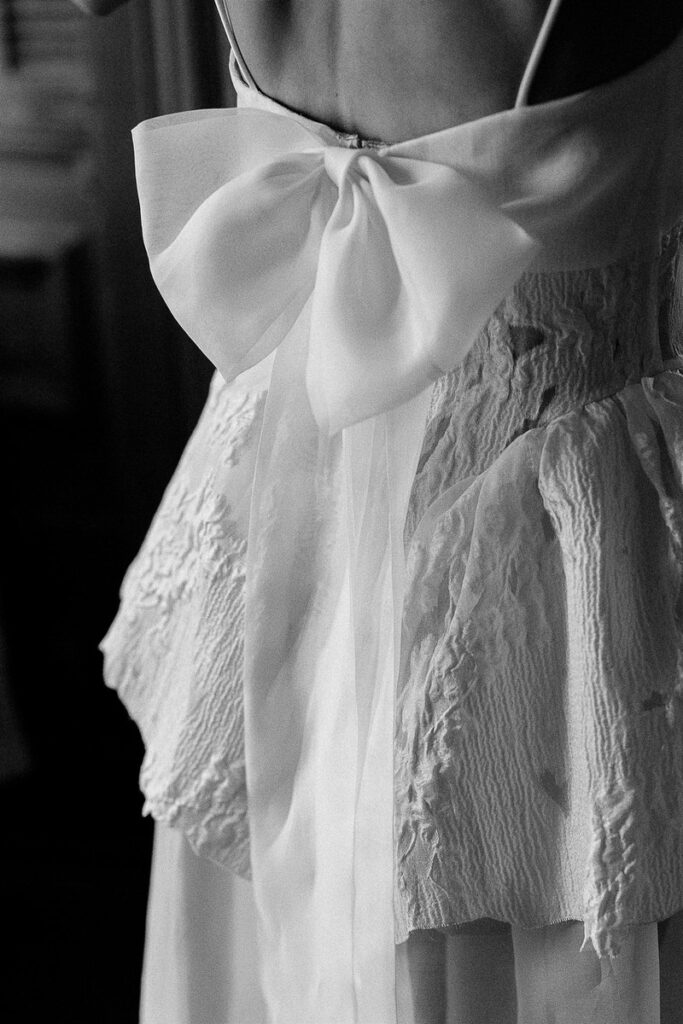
[404, 639]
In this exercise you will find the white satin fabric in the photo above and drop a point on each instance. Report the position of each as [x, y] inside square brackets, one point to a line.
[368, 273]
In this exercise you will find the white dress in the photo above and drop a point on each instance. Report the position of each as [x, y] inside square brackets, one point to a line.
[504, 583]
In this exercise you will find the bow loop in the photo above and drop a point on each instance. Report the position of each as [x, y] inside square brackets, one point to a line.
[413, 261]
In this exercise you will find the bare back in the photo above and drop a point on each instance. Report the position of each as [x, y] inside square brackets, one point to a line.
[395, 69]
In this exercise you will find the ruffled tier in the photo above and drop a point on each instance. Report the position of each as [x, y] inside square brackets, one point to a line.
[175, 651]
[539, 755]
[539, 752]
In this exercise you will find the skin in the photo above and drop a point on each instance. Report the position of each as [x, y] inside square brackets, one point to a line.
[449, 61]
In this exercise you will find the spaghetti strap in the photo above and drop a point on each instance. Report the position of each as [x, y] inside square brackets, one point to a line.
[536, 54]
[230, 32]
[525, 84]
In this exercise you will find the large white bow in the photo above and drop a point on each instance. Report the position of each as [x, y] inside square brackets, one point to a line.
[370, 272]
[246, 214]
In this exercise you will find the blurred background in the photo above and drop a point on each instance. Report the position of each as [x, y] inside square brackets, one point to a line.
[99, 390]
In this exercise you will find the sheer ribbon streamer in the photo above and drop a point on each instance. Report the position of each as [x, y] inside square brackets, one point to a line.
[368, 274]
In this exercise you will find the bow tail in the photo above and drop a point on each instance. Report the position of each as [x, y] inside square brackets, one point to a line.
[298, 729]
[324, 597]
[380, 459]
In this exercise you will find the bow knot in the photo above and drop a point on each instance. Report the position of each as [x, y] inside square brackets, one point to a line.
[400, 269]
[341, 162]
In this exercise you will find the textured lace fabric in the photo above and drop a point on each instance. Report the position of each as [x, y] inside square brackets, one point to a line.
[538, 758]
[175, 650]
[539, 768]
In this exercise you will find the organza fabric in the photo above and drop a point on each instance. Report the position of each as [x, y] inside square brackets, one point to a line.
[339, 284]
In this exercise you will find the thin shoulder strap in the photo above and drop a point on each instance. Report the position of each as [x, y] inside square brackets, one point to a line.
[230, 32]
[536, 54]
[525, 84]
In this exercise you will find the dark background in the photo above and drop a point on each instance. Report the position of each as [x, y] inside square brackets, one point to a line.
[98, 393]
